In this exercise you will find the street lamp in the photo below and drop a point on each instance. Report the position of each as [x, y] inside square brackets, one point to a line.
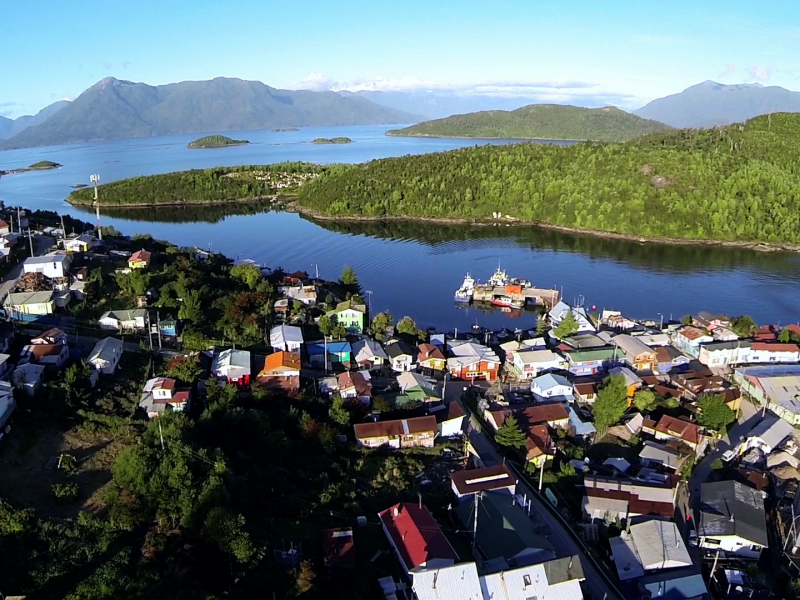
[661, 327]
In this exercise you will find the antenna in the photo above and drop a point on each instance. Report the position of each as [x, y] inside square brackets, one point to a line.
[95, 180]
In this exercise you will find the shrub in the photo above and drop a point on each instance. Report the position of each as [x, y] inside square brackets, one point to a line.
[66, 492]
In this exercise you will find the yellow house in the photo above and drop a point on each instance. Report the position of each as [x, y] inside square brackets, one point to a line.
[139, 260]
[30, 303]
[431, 357]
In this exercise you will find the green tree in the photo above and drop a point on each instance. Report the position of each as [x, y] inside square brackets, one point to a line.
[339, 332]
[325, 324]
[349, 279]
[713, 412]
[510, 434]
[541, 325]
[645, 400]
[567, 327]
[248, 274]
[193, 340]
[381, 323]
[785, 336]
[227, 529]
[77, 383]
[338, 412]
[611, 403]
[407, 326]
[381, 404]
[191, 308]
[185, 370]
[744, 326]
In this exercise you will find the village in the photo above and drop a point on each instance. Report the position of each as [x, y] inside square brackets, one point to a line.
[596, 456]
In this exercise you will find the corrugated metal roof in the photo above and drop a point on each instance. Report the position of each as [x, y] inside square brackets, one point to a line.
[532, 582]
[458, 582]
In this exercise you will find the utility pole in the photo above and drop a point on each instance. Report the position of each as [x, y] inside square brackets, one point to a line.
[475, 520]
[541, 473]
[95, 179]
[12, 222]
[63, 231]
[161, 435]
[369, 301]
[19, 221]
[158, 327]
[325, 337]
[149, 330]
[30, 241]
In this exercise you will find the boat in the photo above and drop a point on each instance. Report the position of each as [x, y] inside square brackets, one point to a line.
[464, 293]
[501, 279]
[502, 301]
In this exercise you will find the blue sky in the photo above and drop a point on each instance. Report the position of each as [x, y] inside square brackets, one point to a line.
[625, 53]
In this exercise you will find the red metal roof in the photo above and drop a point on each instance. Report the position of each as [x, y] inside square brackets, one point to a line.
[774, 347]
[416, 534]
[686, 431]
[635, 504]
[395, 428]
[427, 351]
[339, 549]
[140, 255]
[482, 480]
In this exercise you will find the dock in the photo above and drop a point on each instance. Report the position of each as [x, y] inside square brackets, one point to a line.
[528, 295]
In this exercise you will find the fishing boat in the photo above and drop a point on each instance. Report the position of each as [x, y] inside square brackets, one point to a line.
[464, 293]
[507, 301]
[501, 279]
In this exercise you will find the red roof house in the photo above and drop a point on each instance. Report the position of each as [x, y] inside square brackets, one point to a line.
[416, 537]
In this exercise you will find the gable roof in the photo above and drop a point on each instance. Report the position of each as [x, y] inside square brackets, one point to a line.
[140, 256]
[338, 547]
[772, 430]
[46, 259]
[282, 334]
[674, 586]
[356, 380]
[688, 432]
[280, 361]
[428, 351]
[731, 508]
[124, 315]
[656, 544]
[557, 579]
[661, 454]
[21, 298]
[468, 352]
[484, 479]
[367, 349]
[106, 349]
[549, 381]
[398, 349]
[334, 347]
[416, 534]
[456, 582]
[232, 358]
[631, 345]
[395, 428]
[347, 305]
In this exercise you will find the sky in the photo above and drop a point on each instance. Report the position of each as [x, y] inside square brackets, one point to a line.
[624, 53]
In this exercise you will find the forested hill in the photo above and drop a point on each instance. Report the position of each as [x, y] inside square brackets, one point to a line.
[741, 182]
[540, 121]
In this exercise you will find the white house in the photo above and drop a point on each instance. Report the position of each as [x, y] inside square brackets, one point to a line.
[232, 365]
[559, 312]
[732, 520]
[401, 356]
[719, 354]
[450, 419]
[767, 435]
[78, 243]
[28, 377]
[54, 266]
[555, 579]
[105, 355]
[762, 352]
[532, 362]
[123, 320]
[549, 387]
[286, 338]
[688, 340]
[7, 404]
[651, 545]
[45, 354]
[161, 394]
[30, 303]
[368, 352]
[456, 582]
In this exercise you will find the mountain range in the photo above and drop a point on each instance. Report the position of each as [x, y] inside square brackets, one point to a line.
[710, 103]
[11, 127]
[114, 109]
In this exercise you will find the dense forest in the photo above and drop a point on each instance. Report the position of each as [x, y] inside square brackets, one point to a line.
[215, 141]
[735, 183]
[540, 121]
[200, 186]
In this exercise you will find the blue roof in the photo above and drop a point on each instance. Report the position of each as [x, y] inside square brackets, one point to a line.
[333, 348]
[679, 588]
[581, 428]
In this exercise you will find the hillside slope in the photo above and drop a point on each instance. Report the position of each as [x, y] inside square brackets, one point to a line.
[740, 183]
[114, 109]
[540, 121]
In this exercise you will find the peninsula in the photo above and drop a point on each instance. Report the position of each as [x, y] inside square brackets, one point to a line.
[539, 121]
[216, 141]
[202, 186]
[336, 140]
[734, 184]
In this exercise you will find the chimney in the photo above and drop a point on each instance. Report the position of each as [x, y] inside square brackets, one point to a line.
[420, 499]
[396, 511]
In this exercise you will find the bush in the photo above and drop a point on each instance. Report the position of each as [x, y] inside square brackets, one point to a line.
[66, 492]
[717, 464]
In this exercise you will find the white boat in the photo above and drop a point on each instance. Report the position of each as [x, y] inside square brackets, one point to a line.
[464, 293]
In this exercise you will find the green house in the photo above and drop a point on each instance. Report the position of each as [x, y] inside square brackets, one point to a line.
[350, 316]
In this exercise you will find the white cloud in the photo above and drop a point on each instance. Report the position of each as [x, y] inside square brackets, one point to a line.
[68, 98]
[730, 69]
[759, 72]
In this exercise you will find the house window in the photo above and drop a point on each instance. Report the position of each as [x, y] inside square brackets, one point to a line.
[755, 548]
[711, 542]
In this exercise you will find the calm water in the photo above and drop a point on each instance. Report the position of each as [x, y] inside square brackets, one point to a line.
[414, 268]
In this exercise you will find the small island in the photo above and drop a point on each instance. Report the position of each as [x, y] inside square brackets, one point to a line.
[336, 140]
[216, 141]
[42, 165]
[285, 129]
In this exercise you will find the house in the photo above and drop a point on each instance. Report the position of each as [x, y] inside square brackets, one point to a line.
[732, 520]
[431, 357]
[651, 545]
[558, 579]
[349, 315]
[688, 340]
[539, 444]
[578, 428]
[635, 352]
[416, 537]
[168, 327]
[778, 386]
[353, 384]
[33, 304]
[77, 243]
[456, 582]
[161, 394]
[673, 585]
[401, 433]
[304, 294]
[338, 548]
[369, 353]
[471, 360]
[653, 339]
[768, 435]
[590, 361]
[710, 321]
[450, 420]
[668, 358]
[286, 338]
[723, 334]
[670, 428]
[552, 388]
[51, 336]
[614, 319]
[530, 363]
[505, 536]
[655, 455]
[417, 387]
[124, 320]
[5, 228]
[555, 415]
[6, 335]
[761, 352]
[7, 405]
[497, 478]
[559, 312]
[5, 364]
[324, 354]
[45, 354]
[632, 381]
[139, 260]
[54, 266]
[281, 370]
[232, 366]
[587, 391]
[28, 377]
[615, 498]
[401, 356]
[105, 355]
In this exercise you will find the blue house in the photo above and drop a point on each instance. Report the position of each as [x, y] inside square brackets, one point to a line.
[168, 327]
[338, 352]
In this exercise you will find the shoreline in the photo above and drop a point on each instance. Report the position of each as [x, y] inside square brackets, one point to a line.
[472, 137]
[273, 199]
[190, 147]
[745, 245]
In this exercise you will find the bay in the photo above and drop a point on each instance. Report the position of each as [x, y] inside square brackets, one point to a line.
[412, 268]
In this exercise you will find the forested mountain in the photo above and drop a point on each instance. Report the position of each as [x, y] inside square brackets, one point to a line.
[113, 109]
[9, 127]
[740, 182]
[440, 104]
[710, 103]
[542, 121]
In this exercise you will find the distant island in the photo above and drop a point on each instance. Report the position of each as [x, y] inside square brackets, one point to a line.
[336, 140]
[42, 165]
[284, 129]
[216, 141]
[540, 121]
[220, 185]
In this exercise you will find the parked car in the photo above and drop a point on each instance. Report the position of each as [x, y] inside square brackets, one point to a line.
[728, 455]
